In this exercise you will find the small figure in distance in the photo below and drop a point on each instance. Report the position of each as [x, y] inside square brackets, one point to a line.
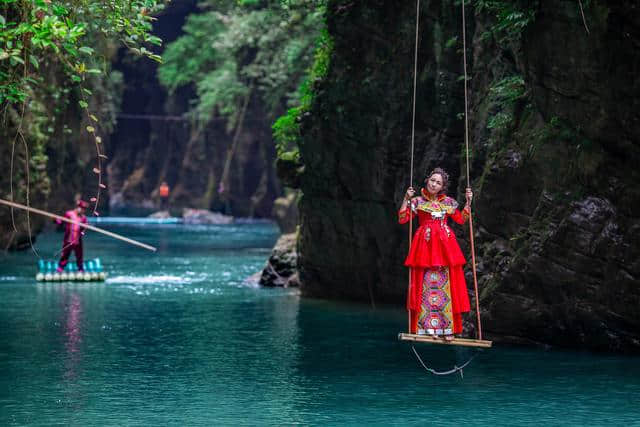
[163, 192]
[73, 233]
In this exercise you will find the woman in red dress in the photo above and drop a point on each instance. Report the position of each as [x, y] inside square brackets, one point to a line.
[437, 292]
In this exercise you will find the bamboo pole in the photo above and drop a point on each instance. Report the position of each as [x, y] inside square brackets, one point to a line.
[87, 226]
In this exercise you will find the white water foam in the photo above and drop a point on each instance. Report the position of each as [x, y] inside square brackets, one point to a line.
[142, 280]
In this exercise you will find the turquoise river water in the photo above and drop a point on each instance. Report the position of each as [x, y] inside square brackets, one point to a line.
[180, 337]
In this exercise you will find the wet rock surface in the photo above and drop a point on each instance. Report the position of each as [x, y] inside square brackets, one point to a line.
[281, 268]
[202, 216]
[285, 212]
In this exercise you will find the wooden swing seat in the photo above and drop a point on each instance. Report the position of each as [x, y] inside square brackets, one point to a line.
[429, 339]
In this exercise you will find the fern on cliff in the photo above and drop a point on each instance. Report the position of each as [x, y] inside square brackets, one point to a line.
[511, 17]
[286, 130]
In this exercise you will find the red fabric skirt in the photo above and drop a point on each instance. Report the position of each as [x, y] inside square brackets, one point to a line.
[434, 244]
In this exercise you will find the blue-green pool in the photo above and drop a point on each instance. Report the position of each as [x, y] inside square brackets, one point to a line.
[179, 337]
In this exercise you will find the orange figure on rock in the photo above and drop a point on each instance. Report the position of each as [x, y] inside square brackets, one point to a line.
[437, 292]
[163, 192]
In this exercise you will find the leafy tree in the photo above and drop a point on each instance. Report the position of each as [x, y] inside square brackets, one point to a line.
[53, 57]
[286, 129]
[236, 48]
[34, 33]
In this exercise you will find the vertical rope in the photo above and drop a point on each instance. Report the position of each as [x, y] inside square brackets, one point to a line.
[466, 102]
[413, 133]
[466, 141]
[26, 168]
[415, 79]
[584, 20]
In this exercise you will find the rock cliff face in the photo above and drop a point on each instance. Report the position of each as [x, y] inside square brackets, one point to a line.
[280, 269]
[554, 137]
[192, 161]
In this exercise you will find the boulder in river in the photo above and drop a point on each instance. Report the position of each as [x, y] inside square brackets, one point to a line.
[281, 268]
[160, 215]
[203, 216]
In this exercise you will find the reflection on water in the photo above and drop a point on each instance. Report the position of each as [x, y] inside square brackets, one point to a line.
[180, 338]
[73, 333]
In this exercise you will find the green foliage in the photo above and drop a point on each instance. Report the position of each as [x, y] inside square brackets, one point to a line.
[53, 58]
[286, 130]
[510, 89]
[557, 129]
[511, 17]
[38, 158]
[507, 99]
[500, 121]
[452, 42]
[185, 60]
[37, 33]
[504, 94]
[234, 49]
[219, 91]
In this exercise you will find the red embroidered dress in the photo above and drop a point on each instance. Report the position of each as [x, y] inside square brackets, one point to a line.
[438, 292]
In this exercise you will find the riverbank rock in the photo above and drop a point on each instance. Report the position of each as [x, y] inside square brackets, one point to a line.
[281, 268]
[118, 205]
[202, 216]
[161, 215]
[285, 212]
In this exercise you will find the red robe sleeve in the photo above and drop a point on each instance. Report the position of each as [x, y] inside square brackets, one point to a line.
[461, 216]
[405, 215]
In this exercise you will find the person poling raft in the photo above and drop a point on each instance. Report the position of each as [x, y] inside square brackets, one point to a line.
[72, 242]
[74, 220]
[73, 233]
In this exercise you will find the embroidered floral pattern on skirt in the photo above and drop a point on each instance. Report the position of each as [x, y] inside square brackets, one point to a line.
[436, 316]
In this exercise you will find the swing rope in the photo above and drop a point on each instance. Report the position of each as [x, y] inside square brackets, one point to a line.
[466, 139]
[450, 371]
[413, 133]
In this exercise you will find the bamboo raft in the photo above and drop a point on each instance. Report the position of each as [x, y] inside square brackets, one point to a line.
[92, 272]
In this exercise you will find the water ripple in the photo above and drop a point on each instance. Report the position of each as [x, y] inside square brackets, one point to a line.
[161, 279]
[181, 338]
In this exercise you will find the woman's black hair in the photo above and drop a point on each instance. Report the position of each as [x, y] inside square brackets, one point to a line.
[445, 179]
